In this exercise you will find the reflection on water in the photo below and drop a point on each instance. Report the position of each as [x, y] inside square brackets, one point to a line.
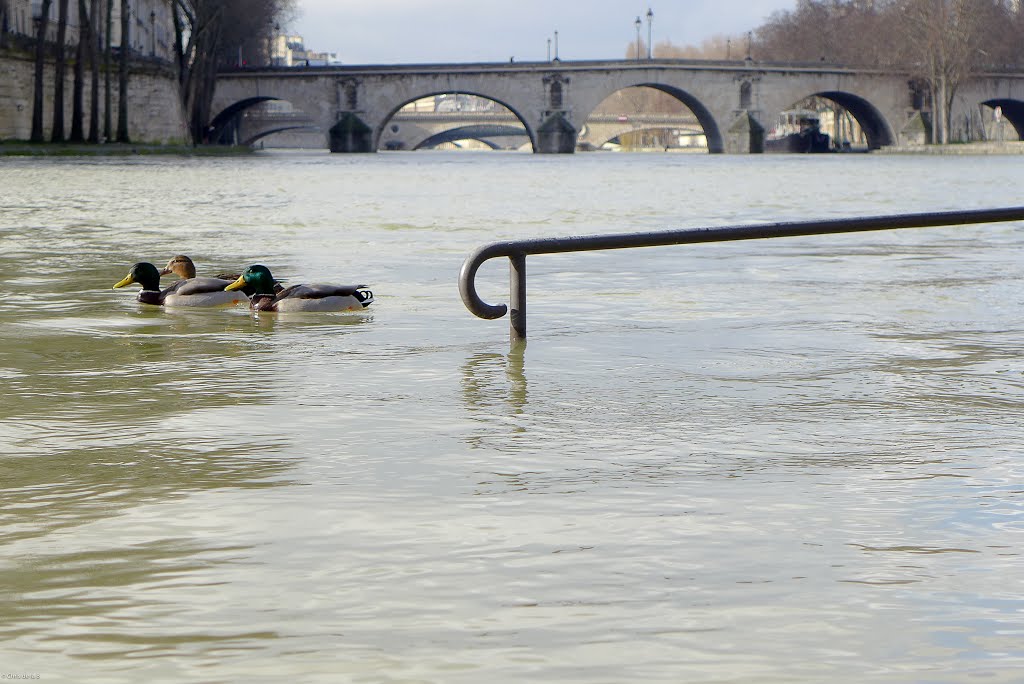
[794, 460]
[485, 390]
[85, 593]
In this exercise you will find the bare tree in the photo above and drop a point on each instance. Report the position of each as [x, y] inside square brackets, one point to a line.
[94, 63]
[715, 47]
[941, 42]
[5, 21]
[851, 32]
[78, 86]
[944, 46]
[122, 76]
[107, 115]
[37, 90]
[210, 34]
[646, 100]
[60, 71]
[197, 36]
[798, 35]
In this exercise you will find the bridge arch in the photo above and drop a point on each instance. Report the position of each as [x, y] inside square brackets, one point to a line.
[481, 133]
[712, 132]
[470, 132]
[247, 121]
[610, 133]
[280, 129]
[872, 121]
[223, 126]
[876, 129]
[1012, 111]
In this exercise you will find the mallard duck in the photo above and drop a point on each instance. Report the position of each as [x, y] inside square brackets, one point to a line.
[305, 297]
[207, 292]
[183, 267]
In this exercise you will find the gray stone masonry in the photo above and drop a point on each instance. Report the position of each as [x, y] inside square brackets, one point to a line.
[155, 113]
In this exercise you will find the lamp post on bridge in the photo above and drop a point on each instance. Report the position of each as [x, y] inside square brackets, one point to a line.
[272, 52]
[638, 24]
[650, 22]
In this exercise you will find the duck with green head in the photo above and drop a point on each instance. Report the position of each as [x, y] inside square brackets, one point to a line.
[304, 297]
[194, 292]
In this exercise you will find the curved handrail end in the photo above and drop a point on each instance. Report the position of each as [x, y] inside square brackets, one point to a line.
[467, 285]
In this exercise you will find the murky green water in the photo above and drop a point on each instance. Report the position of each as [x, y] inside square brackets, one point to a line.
[795, 460]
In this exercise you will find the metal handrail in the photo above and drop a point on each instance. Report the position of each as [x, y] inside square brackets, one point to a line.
[517, 250]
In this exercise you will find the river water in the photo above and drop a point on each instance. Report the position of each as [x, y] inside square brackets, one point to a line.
[792, 460]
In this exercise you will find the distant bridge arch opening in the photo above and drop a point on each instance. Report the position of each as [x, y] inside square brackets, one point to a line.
[1011, 111]
[484, 134]
[436, 120]
[253, 139]
[250, 120]
[871, 121]
[223, 128]
[648, 116]
[829, 121]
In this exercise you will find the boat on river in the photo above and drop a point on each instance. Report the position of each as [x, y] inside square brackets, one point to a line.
[798, 131]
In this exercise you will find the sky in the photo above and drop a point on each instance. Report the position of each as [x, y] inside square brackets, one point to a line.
[431, 31]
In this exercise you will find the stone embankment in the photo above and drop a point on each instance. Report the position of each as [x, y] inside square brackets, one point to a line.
[1014, 147]
[155, 113]
[23, 149]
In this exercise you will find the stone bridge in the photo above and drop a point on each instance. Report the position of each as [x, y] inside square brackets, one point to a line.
[415, 130]
[735, 103]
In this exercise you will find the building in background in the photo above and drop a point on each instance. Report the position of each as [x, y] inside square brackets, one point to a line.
[150, 27]
[290, 51]
[18, 16]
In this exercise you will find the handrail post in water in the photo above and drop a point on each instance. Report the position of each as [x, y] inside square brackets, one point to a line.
[517, 297]
[518, 250]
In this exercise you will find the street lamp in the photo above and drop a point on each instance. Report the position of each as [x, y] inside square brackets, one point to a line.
[638, 24]
[549, 49]
[152, 34]
[275, 58]
[650, 21]
[556, 46]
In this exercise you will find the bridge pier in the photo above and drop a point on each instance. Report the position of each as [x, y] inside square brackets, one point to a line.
[745, 135]
[351, 134]
[556, 135]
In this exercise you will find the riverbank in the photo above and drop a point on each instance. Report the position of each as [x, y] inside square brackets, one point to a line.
[1014, 147]
[155, 110]
[25, 149]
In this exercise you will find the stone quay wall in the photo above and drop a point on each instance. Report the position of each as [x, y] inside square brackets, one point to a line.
[155, 113]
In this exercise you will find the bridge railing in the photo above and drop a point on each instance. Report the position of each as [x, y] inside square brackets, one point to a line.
[518, 250]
